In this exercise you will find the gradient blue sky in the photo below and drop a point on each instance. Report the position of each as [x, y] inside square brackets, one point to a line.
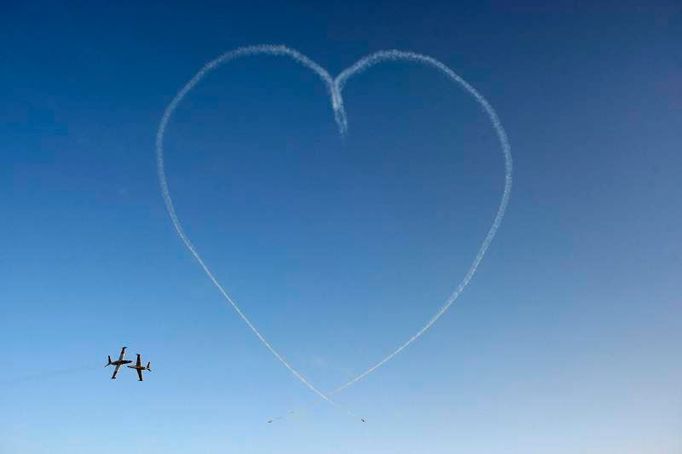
[568, 339]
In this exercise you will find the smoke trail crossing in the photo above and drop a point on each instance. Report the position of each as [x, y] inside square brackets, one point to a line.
[335, 87]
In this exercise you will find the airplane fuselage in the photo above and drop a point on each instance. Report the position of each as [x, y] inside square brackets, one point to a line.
[120, 363]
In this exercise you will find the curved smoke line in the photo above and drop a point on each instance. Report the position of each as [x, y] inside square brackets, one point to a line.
[241, 52]
[335, 88]
[399, 56]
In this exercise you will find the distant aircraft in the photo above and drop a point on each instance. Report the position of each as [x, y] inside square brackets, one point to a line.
[119, 362]
[139, 367]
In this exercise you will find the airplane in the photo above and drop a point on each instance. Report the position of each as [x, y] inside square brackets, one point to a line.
[119, 362]
[139, 367]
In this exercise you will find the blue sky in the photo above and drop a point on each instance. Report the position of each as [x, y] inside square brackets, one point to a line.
[338, 249]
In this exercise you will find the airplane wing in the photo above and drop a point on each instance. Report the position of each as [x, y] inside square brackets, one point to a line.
[139, 374]
[113, 377]
[139, 361]
[123, 354]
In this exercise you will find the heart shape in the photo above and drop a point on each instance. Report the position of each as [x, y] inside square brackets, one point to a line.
[335, 87]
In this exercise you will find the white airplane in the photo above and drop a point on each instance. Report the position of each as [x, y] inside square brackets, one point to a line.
[139, 367]
[119, 362]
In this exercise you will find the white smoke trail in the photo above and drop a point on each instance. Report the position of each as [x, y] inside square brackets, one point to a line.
[397, 56]
[241, 52]
[46, 374]
[335, 87]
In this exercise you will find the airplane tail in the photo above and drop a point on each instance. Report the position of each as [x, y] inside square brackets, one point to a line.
[109, 358]
[149, 366]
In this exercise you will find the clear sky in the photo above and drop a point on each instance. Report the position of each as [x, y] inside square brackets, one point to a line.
[567, 340]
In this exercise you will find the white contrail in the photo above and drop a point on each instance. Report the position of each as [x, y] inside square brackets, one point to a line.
[335, 88]
[396, 55]
[46, 374]
[241, 52]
